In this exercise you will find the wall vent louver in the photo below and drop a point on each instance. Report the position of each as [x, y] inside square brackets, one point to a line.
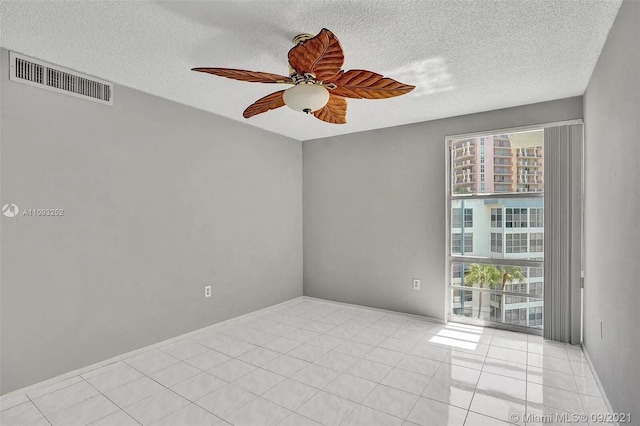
[34, 72]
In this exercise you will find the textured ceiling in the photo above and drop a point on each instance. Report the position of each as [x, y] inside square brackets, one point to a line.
[463, 56]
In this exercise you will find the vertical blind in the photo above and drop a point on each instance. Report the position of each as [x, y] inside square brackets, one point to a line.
[563, 232]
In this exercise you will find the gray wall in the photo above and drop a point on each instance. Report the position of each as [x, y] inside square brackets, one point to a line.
[374, 215]
[612, 207]
[159, 199]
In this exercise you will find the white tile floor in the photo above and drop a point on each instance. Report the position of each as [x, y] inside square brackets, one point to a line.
[310, 362]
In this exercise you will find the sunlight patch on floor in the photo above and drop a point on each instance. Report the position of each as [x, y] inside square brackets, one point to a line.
[460, 336]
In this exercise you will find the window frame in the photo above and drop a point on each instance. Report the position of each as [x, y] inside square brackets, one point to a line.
[469, 259]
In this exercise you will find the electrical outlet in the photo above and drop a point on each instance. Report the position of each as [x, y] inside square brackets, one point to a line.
[416, 284]
[207, 291]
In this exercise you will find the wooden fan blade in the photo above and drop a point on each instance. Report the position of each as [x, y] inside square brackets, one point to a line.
[320, 55]
[269, 102]
[244, 75]
[334, 112]
[363, 84]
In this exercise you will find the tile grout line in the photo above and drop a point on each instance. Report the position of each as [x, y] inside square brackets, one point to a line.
[344, 372]
[165, 388]
[60, 389]
[148, 396]
[109, 399]
[38, 408]
[475, 388]
[103, 363]
[389, 321]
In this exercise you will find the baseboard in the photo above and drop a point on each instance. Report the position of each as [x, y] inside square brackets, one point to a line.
[100, 364]
[597, 379]
[420, 317]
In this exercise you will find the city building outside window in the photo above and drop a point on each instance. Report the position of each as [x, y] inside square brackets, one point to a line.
[496, 218]
[536, 217]
[496, 242]
[536, 288]
[456, 245]
[516, 218]
[456, 219]
[516, 243]
[536, 242]
[516, 316]
[468, 243]
[536, 272]
[468, 218]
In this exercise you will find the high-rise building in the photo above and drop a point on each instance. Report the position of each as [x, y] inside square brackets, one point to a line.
[499, 163]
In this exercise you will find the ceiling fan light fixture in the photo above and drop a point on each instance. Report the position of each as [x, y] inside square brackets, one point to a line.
[306, 97]
[321, 86]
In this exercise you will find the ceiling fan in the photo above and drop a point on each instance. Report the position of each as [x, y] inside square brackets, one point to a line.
[320, 86]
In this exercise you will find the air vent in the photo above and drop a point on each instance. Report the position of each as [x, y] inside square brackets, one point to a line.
[29, 71]
[52, 77]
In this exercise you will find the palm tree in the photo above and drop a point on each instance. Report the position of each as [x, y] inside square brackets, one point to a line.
[461, 190]
[509, 274]
[485, 276]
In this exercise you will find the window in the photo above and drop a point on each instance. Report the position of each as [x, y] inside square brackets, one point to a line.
[535, 316]
[496, 314]
[516, 288]
[455, 243]
[455, 218]
[536, 218]
[536, 272]
[516, 316]
[536, 242]
[468, 218]
[509, 300]
[496, 242]
[536, 288]
[468, 296]
[468, 243]
[456, 270]
[496, 218]
[516, 243]
[485, 207]
[516, 218]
